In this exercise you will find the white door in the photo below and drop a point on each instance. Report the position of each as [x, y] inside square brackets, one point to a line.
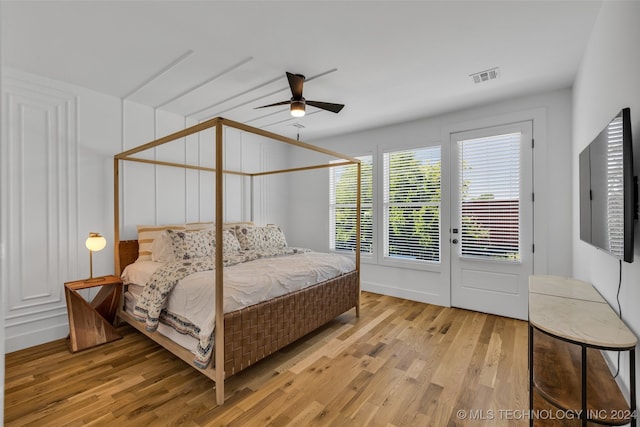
[492, 219]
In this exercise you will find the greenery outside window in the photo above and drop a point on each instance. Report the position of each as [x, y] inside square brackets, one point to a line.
[342, 205]
[412, 205]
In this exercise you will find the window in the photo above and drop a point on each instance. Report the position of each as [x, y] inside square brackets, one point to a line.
[490, 197]
[342, 205]
[412, 204]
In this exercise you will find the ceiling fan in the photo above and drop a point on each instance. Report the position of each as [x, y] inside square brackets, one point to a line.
[298, 102]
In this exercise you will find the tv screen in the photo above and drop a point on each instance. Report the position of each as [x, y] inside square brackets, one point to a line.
[608, 189]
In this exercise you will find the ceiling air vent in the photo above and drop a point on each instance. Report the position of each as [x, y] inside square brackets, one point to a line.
[485, 76]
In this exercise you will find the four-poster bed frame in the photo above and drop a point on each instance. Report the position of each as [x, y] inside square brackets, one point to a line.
[298, 313]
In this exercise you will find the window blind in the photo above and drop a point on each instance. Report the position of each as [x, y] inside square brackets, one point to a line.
[615, 187]
[490, 197]
[342, 205]
[412, 204]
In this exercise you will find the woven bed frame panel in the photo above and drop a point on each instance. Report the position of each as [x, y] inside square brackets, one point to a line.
[255, 332]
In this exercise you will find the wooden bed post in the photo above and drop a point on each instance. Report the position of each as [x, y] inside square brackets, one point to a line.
[251, 184]
[358, 225]
[116, 216]
[219, 301]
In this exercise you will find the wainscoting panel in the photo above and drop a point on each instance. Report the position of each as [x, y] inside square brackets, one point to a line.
[39, 205]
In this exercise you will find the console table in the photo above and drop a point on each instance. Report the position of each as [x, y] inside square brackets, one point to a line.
[569, 324]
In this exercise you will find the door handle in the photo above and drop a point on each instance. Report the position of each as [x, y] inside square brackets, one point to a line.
[454, 241]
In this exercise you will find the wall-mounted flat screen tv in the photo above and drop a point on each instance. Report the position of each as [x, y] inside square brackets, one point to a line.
[608, 201]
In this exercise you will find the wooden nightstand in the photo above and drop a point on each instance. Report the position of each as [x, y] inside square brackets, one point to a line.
[91, 324]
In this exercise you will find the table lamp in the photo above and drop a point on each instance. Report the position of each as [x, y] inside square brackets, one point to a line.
[95, 242]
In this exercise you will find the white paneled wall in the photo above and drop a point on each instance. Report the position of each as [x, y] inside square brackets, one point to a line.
[56, 181]
[138, 128]
[39, 206]
[170, 181]
[270, 196]
[156, 194]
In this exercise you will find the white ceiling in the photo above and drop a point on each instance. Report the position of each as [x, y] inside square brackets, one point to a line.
[388, 61]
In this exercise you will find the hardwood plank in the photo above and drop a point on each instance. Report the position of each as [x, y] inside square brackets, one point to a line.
[402, 363]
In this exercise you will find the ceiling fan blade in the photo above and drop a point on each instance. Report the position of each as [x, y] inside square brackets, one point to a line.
[296, 81]
[273, 105]
[334, 108]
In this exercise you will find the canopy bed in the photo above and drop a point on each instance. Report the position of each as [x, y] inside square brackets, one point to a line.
[256, 327]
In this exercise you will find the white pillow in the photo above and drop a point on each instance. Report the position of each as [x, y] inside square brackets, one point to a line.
[161, 250]
[147, 234]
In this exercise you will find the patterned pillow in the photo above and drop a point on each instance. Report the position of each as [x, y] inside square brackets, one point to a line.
[231, 226]
[146, 236]
[192, 244]
[275, 235]
[230, 244]
[260, 238]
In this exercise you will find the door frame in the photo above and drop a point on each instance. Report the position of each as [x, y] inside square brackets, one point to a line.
[538, 117]
[496, 286]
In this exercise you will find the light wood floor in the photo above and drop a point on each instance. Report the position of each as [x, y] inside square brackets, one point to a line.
[401, 364]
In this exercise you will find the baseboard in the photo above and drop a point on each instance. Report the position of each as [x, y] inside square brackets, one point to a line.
[20, 340]
[611, 359]
[426, 297]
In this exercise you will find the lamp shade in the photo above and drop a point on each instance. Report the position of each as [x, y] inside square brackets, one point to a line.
[297, 108]
[95, 242]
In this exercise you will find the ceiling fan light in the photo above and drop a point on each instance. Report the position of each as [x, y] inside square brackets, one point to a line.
[297, 108]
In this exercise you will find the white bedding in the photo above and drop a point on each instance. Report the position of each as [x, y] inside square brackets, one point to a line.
[245, 284]
[184, 340]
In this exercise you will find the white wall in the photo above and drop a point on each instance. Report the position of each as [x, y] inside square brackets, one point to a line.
[607, 81]
[551, 113]
[56, 181]
[57, 144]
